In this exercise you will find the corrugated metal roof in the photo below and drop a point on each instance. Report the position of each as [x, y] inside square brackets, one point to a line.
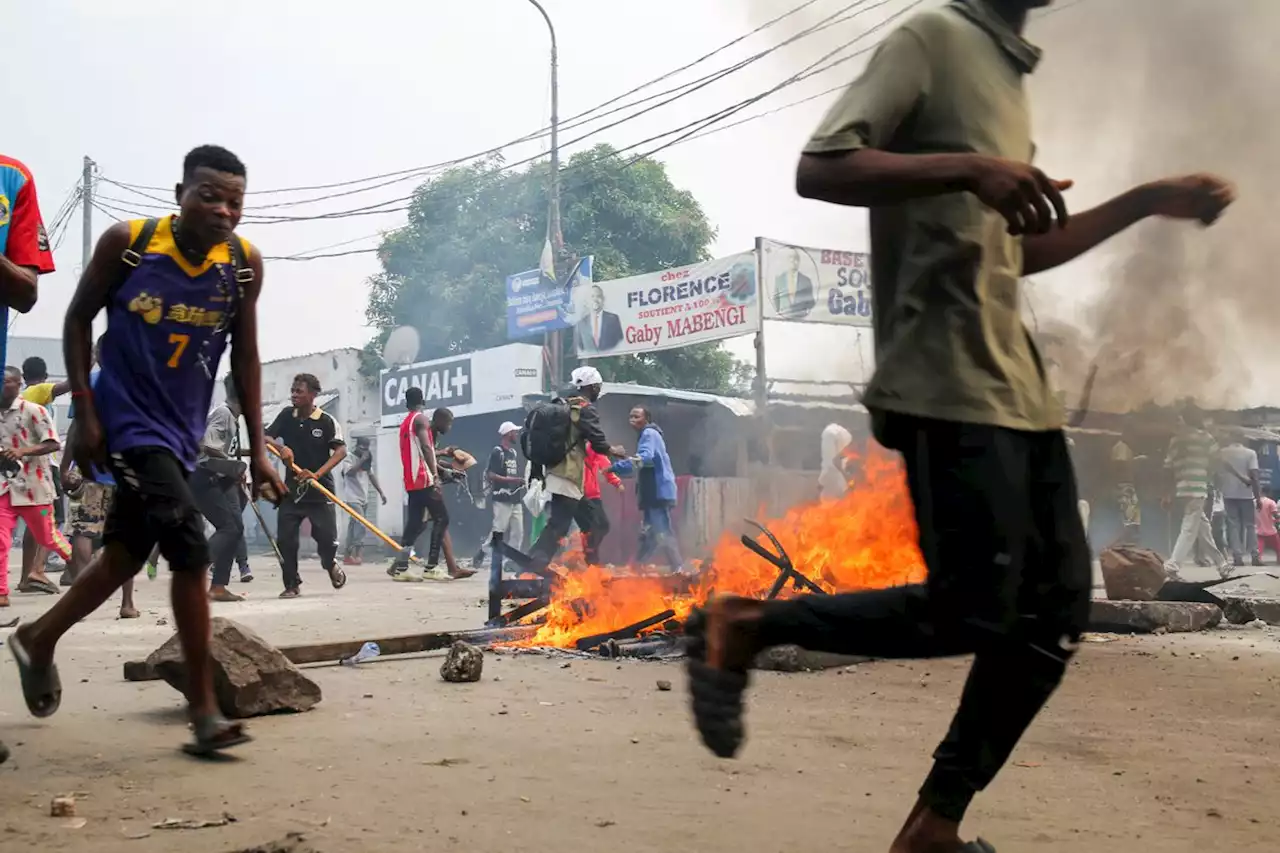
[50, 349]
[736, 405]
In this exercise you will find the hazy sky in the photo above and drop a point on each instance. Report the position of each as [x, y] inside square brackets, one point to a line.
[317, 92]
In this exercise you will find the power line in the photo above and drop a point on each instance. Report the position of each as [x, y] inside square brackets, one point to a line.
[691, 130]
[588, 116]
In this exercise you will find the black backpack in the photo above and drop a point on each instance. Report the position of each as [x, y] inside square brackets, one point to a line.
[548, 433]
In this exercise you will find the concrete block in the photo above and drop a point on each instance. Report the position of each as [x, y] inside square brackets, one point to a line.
[1144, 617]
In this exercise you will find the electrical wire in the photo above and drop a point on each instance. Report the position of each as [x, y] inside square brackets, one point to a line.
[843, 15]
[691, 130]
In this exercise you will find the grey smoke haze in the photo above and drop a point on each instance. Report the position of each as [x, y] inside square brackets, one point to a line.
[1131, 91]
[1184, 311]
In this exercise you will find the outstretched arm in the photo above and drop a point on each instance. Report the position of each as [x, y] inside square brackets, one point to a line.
[1199, 197]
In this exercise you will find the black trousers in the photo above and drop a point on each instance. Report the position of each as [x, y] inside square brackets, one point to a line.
[594, 524]
[424, 505]
[324, 530]
[1008, 581]
[217, 501]
[561, 513]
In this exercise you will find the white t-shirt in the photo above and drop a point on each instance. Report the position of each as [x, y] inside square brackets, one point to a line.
[1240, 459]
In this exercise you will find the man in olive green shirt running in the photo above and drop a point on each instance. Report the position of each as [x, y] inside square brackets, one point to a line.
[935, 138]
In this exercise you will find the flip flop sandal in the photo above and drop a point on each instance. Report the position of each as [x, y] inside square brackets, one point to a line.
[12, 623]
[41, 687]
[290, 593]
[716, 697]
[462, 574]
[337, 577]
[978, 846]
[715, 694]
[214, 733]
[47, 587]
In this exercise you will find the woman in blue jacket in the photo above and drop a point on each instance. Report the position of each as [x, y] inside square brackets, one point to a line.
[655, 489]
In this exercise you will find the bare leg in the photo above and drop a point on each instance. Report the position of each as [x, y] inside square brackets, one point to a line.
[455, 571]
[81, 554]
[32, 558]
[105, 573]
[191, 612]
[927, 832]
[127, 608]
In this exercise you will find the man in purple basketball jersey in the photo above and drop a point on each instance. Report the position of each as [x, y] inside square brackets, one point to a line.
[174, 289]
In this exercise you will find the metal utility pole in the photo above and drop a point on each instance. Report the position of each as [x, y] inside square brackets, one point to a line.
[86, 199]
[554, 233]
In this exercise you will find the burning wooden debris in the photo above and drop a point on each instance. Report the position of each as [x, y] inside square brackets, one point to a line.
[658, 635]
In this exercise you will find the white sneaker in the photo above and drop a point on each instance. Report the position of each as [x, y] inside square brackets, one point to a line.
[408, 576]
[436, 573]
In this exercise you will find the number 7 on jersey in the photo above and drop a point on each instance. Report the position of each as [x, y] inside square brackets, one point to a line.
[181, 342]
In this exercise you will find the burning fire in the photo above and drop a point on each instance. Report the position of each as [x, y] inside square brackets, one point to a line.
[865, 540]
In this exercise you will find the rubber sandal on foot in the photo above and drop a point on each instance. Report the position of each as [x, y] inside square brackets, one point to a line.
[214, 733]
[716, 698]
[337, 577]
[978, 846]
[41, 687]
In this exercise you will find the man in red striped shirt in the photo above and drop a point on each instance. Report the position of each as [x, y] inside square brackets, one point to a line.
[24, 245]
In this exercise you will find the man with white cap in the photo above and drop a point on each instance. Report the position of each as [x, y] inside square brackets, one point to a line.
[507, 489]
[564, 480]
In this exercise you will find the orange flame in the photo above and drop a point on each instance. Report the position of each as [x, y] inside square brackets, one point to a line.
[865, 540]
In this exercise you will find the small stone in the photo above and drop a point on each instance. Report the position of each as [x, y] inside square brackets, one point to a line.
[635, 740]
[1213, 813]
[564, 665]
[464, 663]
[62, 807]
[525, 800]
[664, 685]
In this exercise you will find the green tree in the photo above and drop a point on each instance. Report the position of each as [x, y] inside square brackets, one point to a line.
[444, 272]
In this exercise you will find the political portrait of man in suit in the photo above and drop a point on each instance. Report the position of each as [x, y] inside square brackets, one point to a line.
[793, 290]
[599, 331]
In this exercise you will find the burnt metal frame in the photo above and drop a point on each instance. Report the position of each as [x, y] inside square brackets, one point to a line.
[781, 560]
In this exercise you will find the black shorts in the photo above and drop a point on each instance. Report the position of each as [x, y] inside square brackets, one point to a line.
[154, 504]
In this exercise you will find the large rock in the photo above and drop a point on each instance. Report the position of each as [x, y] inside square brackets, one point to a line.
[1131, 573]
[1241, 610]
[250, 676]
[464, 663]
[1143, 617]
[796, 659]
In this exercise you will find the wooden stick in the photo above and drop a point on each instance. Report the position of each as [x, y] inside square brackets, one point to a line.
[140, 670]
[262, 522]
[338, 502]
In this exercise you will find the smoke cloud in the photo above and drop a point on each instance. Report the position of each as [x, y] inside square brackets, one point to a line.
[1131, 91]
[1184, 311]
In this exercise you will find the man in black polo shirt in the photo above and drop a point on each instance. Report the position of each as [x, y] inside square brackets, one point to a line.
[311, 439]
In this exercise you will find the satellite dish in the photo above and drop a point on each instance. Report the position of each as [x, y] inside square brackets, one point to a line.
[401, 347]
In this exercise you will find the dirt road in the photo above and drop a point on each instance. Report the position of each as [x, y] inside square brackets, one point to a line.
[1166, 744]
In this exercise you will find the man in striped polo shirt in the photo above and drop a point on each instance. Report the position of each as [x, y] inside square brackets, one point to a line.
[1193, 456]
